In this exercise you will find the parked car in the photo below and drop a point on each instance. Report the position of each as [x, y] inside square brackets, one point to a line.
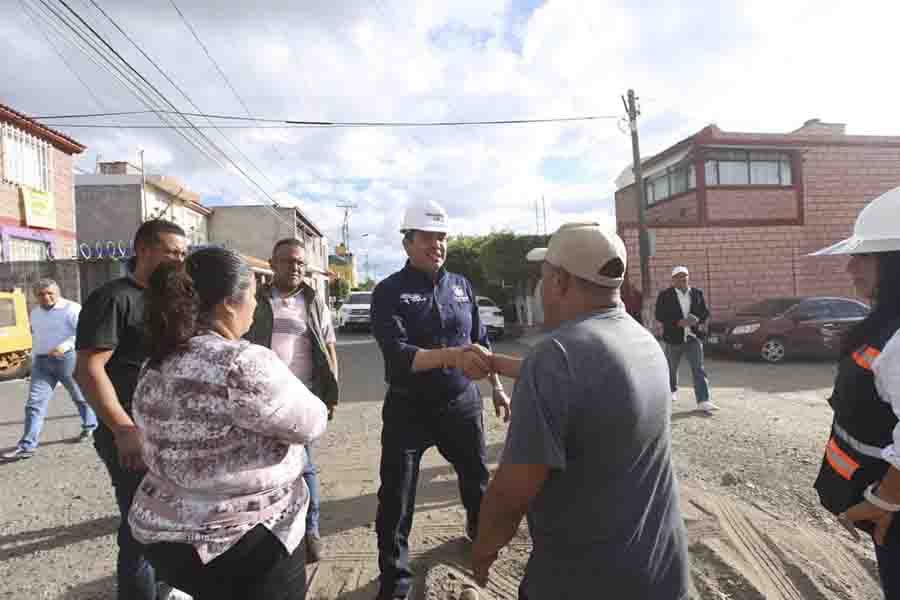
[779, 328]
[492, 317]
[355, 312]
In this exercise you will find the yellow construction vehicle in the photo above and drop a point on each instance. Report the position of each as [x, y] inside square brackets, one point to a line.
[15, 335]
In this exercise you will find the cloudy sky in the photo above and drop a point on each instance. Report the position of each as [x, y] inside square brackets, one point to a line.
[747, 66]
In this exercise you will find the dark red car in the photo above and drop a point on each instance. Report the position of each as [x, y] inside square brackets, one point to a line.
[778, 328]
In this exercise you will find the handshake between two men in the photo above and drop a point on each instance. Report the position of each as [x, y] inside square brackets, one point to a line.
[477, 362]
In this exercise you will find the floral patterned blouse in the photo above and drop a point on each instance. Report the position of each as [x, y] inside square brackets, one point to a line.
[222, 425]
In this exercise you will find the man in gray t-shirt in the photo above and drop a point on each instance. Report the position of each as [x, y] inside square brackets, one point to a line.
[588, 451]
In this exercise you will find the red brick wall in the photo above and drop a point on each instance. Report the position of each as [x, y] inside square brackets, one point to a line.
[679, 210]
[739, 265]
[750, 203]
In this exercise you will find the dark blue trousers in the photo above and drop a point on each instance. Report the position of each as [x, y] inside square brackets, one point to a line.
[412, 425]
[134, 575]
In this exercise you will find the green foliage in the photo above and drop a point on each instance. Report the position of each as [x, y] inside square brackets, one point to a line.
[368, 285]
[494, 263]
[339, 288]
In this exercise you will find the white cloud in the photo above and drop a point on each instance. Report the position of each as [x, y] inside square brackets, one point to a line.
[763, 66]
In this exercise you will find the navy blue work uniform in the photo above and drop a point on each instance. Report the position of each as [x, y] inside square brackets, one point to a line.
[412, 310]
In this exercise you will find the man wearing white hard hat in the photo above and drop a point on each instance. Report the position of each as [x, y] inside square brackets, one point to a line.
[682, 311]
[859, 478]
[424, 318]
[588, 453]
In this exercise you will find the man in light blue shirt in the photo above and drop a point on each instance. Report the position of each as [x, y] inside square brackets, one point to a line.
[53, 325]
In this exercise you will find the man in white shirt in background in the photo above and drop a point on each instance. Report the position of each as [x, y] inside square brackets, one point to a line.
[53, 325]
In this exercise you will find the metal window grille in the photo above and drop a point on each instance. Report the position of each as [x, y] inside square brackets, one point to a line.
[27, 160]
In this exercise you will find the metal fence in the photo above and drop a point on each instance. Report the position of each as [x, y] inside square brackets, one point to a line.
[76, 278]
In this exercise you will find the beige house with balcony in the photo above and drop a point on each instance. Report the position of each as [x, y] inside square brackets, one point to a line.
[112, 203]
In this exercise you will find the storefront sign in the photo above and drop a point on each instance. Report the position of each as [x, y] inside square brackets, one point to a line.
[40, 209]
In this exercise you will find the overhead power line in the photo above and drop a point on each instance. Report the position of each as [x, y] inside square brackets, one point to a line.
[219, 69]
[299, 122]
[34, 19]
[105, 56]
[178, 88]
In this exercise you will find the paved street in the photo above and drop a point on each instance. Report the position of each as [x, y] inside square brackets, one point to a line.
[755, 526]
[56, 509]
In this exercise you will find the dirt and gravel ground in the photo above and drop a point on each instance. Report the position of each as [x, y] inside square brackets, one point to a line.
[755, 527]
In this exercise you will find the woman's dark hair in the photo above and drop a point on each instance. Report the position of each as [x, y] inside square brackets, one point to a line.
[181, 297]
[886, 303]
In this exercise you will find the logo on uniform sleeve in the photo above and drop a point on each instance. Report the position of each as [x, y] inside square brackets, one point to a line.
[460, 294]
[412, 298]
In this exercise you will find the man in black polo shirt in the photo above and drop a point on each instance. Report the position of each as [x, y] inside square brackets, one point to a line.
[110, 345]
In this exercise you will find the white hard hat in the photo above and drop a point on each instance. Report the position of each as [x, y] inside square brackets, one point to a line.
[877, 228]
[425, 215]
[680, 270]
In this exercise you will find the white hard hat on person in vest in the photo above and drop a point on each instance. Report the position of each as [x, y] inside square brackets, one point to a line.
[877, 228]
[425, 215]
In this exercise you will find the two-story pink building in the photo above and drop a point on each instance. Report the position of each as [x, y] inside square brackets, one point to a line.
[743, 210]
[37, 198]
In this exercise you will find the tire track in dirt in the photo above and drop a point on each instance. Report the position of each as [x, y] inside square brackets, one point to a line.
[773, 579]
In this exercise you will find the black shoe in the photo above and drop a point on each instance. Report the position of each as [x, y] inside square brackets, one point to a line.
[313, 549]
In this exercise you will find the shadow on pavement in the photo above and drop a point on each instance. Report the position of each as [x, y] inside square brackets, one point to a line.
[29, 542]
[91, 590]
[437, 489]
[56, 418]
[687, 414]
[794, 376]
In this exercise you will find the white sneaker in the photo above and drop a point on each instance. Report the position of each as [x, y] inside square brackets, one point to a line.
[674, 396]
[167, 592]
[707, 407]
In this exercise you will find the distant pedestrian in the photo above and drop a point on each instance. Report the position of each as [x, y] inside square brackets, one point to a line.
[859, 479]
[683, 313]
[54, 322]
[423, 318]
[222, 508]
[292, 319]
[588, 454]
[110, 345]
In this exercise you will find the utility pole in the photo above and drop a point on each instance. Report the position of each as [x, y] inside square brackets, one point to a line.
[143, 190]
[544, 202]
[345, 228]
[632, 109]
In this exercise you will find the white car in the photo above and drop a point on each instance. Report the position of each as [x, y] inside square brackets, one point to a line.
[355, 312]
[492, 316]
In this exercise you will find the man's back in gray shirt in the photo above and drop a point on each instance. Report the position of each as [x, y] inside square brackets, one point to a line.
[592, 402]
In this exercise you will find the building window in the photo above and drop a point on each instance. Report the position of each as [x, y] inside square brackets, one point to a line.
[27, 160]
[743, 167]
[674, 180]
[23, 249]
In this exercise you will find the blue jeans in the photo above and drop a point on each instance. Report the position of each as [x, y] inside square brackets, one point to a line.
[135, 577]
[311, 477]
[46, 372]
[693, 350]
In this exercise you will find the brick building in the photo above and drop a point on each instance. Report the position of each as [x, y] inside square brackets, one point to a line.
[37, 204]
[743, 210]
